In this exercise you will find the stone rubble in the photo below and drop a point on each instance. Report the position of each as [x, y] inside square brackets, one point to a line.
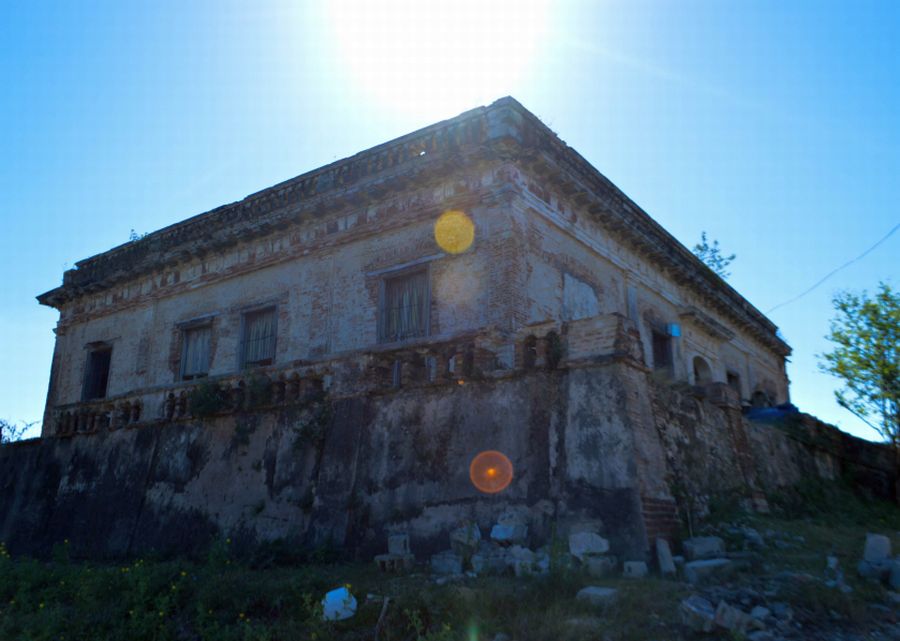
[509, 529]
[634, 570]
[583, 544]
[707, 569]
[464, 540]
[664, 558]
[446, 563]
[597, 595]
[703, 547]
[698, 614]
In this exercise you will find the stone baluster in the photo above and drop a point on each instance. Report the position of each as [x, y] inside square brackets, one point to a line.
[293, 388]
[169, 406]
[181, 405]
[238, 396]
[278, 390]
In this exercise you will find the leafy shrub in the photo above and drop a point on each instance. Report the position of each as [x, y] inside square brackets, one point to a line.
[208, 398]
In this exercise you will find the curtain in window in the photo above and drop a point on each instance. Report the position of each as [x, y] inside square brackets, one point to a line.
[259, 337]
[196, 352]
[405, 301]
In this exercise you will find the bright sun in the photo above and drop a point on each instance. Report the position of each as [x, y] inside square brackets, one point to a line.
[424, 58]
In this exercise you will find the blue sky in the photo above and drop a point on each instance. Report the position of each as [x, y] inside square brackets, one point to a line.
[773, 126]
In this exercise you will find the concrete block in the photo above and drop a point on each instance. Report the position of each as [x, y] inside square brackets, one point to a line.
[878, 548]
[698, 614]
[634, 570]
[582, 544]
[706, 569]
[596, 595]
[704, 547]
[664, 558]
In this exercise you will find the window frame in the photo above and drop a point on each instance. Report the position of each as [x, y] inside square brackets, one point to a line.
[242, 351]
[183, 329]
[424, 269]
[663, 332]
[92, 349]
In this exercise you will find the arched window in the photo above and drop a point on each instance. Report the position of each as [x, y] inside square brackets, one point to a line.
[760, 399]
[702, 372]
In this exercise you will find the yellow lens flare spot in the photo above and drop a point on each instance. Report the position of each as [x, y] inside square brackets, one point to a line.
[491, 472]
[454, 231]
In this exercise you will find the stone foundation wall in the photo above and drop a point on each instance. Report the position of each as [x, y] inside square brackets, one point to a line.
[391, 459]
[712, 451]
[598, 442]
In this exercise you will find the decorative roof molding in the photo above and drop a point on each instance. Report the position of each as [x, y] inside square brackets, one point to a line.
[502, 130]
[706, 323]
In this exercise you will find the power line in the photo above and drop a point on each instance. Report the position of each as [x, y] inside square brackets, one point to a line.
[835, 271]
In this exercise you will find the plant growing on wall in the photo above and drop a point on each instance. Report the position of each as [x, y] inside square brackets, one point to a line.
[207, 399]
[866, 357]
[712, 255]
[259, 391]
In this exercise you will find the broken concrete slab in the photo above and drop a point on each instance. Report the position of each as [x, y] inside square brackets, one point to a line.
[698, 614]
[582, 544]
[395, 562]
[464, 540]
[732, 618]
[446, 562]
[874, 570]
[600, 566]
[634, 570]
[706, 569]
[398, 543]
[664, 558]
[877, 548]
[704, 547]
[597, 595]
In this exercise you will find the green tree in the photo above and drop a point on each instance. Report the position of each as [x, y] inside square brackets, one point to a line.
[711, 254]
[866, 357]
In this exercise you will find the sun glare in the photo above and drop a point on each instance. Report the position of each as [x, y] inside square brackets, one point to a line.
[491, 472]
[428, 58]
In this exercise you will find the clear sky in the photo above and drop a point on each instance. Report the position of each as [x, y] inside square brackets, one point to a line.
[773, 126]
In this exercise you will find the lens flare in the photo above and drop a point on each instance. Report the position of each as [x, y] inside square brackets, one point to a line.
[454, 231]
[491, 472]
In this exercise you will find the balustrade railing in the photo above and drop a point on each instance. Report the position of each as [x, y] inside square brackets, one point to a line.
[422, 365]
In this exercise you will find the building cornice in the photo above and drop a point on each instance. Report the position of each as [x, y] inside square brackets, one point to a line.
[504, 130]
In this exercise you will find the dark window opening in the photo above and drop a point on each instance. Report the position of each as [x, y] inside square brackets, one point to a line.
[96, 376]
[760, 399]
[259, 338]
[734, 381]
[195, 352]
[662, 350]
[404, 307]
[702, 372]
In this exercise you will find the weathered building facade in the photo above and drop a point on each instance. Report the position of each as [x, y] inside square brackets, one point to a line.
[316, 362]
[302, 275]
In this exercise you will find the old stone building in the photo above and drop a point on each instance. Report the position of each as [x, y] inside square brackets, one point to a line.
[305, 273]
[323, 360]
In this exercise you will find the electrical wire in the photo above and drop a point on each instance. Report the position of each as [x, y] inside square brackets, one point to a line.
[835, 271]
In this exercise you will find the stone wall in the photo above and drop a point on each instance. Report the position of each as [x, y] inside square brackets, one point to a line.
[713, 452]
[597, 439]
[399, 458]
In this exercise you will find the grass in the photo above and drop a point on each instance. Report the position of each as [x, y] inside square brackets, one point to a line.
[275, 593]
[222, 599]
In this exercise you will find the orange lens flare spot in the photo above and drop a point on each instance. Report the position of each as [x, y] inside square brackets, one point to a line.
[491, 472]
[454, 231]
